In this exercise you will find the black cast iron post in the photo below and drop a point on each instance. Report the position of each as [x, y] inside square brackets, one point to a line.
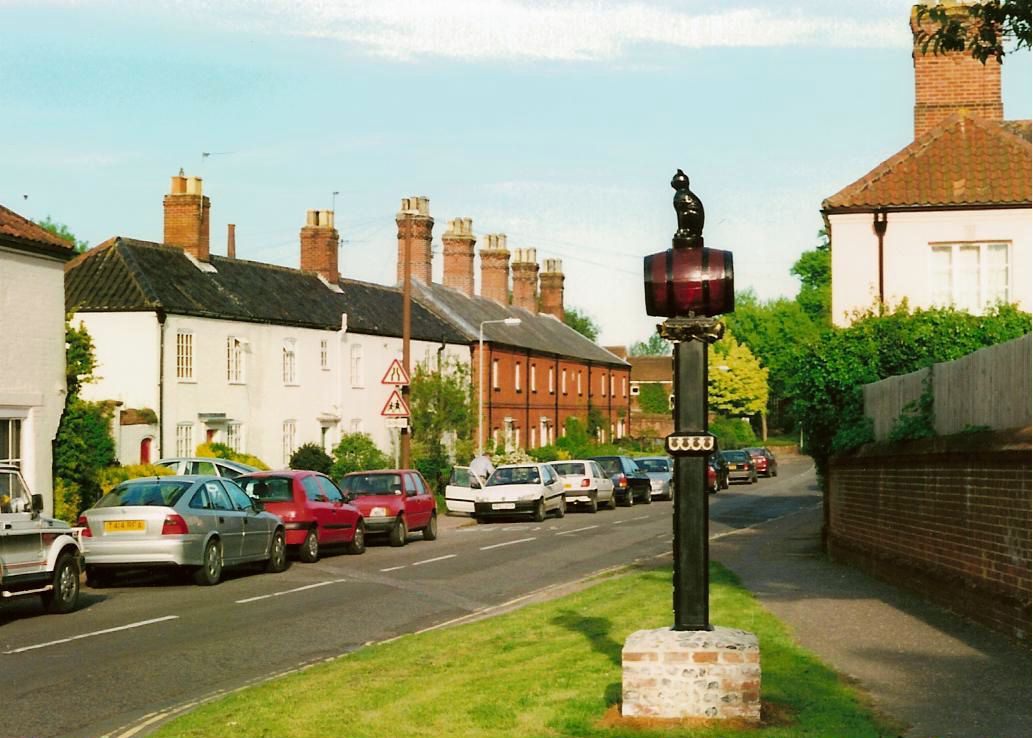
[690, 284]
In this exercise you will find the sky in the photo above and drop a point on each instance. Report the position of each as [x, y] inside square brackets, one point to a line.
[557, 123]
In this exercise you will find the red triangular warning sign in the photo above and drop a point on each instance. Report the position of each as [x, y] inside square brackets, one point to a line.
[395, 374]
[395, 407]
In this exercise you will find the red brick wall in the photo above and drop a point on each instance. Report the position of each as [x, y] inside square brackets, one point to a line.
[948, 517]
[319, 251]
[416, 230]
[186, 223]
[457, 270]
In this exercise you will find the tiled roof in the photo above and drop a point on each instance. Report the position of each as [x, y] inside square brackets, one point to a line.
[15, 226]
[652, 368]
[964, 161]
[537, 331]
[123, 275]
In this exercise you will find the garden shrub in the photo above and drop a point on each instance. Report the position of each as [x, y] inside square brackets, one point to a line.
[312, 457]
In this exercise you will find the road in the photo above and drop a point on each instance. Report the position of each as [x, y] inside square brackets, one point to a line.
[138, 652]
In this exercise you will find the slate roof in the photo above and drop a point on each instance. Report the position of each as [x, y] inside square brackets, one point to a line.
[125, 275]
[19, 232]
[652, 368]
[539, 332]
[964, 161]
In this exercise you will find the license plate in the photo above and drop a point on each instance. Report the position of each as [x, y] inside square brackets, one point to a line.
[124, 526]
[568, 485]
[503, 506]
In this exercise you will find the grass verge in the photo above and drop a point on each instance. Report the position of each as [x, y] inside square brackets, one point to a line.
[551, 669]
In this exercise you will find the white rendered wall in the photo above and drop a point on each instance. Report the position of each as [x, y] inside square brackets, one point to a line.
[907, 254]
[126, 349]
[32, 367]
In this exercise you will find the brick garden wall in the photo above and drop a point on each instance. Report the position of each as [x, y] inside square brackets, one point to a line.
[948, 517]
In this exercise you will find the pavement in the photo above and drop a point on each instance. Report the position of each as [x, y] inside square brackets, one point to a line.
[931, 672]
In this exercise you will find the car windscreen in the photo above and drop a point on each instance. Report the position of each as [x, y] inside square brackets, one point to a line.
[358, 485]
[156, 493]
[269, 489]
[654, 465]
[514, 475]
[737, 456]
[611, 465]
[460, 477]
[569, 469]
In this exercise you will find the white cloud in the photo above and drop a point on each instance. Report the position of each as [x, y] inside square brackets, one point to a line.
[536, 30]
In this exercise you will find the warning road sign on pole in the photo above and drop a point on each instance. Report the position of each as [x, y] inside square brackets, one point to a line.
[396, 374]
[395, 407]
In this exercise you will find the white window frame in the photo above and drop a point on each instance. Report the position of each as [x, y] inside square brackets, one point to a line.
[516, 377]
[957, 284]
[602, 385]
[356, 365]
[624, 386]
[184, 439]
[324, 354]
[234, 436]
[495, 374]
[611, 385]
[552, 380]
[184, 356]
[235, 360]
[563, 381]
[634, 389]
[290, 363]
[579, 382]
[533, 378]
[16, 435]
[290, 440]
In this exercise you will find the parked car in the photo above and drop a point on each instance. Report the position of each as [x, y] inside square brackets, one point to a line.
[202, 465]
[720, 466]
[740, 466]
[460, 491]
[38, 555]
[764, 460]
[521, 489]
[200, 523]
[314, 512]
[393, 501]
[712, 484]
[660, 470]
[629, 481]
[585, 483]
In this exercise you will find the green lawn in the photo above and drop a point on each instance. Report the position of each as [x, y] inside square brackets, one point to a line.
[550, 669]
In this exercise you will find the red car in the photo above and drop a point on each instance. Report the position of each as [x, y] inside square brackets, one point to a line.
[393, 501]
[314, 511]
[764, 460]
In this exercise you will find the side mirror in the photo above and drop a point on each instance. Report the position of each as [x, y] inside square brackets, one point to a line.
[37, 503]
[258, 504]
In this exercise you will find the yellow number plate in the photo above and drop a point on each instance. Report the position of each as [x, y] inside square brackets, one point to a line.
[568, 485]
[124, 526]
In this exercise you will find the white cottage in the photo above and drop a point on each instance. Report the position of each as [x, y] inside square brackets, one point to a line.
[199, 347]
[946, 220]
[32, 332]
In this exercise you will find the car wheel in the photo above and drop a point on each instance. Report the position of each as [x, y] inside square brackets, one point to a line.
[430, 533]
[629, 499]
[593, 506]
[612, 504]
[649, 497]
[399, 533]
[539, 511]
[65, 594]
[210, 572]
[724, 484]
[774, 473]
[357, 545]
[309, 551]
[277, 553]
[97, 578]
[562, 509]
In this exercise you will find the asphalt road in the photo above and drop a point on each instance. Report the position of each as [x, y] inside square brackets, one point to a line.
[151, 646]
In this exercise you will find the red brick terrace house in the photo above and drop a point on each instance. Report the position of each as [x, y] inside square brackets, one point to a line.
[536, 374]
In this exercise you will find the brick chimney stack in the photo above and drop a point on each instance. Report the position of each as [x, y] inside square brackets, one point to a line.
[551, 286]
[231, 241]
[525, 279]
[949, 83]
[458, 243]
[415, 226]
[319, 244]
[186, 216]
[495, 268]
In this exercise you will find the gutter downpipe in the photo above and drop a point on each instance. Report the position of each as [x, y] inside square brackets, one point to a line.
[879, 223]
[160, 314]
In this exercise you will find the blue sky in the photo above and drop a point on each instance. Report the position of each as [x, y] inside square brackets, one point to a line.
[559, 124]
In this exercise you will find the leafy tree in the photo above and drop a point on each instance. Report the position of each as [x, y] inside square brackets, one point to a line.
[738, 384]
[80, 359]
[653, 397]
[732, 433]
[61, 231]
[655, 345]
[983, 29]
[357, 452]
[814, 269]
[311, 456]
[441, 400]
[582, 322]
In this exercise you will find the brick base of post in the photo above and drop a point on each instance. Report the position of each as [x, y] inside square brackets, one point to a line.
[711, 674]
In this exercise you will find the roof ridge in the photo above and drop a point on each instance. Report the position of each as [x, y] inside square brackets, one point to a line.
[136, 272]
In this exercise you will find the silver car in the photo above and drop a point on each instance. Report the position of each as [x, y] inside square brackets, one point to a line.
[660, 470]
[205, 465]
[201, 523]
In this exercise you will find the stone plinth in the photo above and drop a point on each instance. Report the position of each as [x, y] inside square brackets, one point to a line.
[705, 674]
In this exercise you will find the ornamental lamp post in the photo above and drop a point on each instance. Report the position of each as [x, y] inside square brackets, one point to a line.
[480, 378]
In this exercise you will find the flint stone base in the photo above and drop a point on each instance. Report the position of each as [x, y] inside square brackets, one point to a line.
[709, 674]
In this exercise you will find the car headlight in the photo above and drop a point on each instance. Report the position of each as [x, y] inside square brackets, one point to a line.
[378, 512]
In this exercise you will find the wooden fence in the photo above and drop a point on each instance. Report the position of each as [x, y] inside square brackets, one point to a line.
[988, 388]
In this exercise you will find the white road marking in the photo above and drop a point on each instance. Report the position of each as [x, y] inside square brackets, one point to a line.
[618, 522]
[640, 517]
[290, 591]
[94, 633]
[577, 530]
[395, 568]
[431, 561]
[509, 543]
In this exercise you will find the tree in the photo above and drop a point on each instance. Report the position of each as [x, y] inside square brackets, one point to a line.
[61, 231]
[311, 456]
[653, 397]
[441, 400]
[982, 29]
[814, 270]
[738, 384]
[582, 322]
[655, 345]
[357, 452]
